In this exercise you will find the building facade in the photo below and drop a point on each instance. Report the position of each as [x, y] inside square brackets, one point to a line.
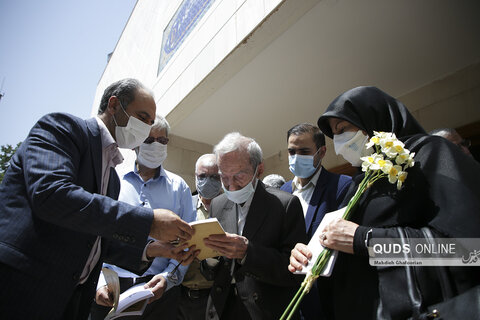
[261, 66]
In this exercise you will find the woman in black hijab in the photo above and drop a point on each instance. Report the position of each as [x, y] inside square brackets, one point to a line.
[441, 192]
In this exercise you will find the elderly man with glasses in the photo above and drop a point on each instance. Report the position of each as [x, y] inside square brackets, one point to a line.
[150, 185]
[251, 279]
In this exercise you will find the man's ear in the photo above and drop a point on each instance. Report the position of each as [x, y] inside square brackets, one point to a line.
[322, 152]
[260, 170]
[113, 105]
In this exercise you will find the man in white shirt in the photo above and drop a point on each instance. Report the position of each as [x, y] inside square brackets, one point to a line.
[319, 190]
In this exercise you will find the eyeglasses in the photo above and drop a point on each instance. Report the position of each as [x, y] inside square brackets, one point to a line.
[204, 176]
[162, 140]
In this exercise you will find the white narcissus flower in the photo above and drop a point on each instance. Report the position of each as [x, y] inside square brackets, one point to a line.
[399, 146]
[371, 160]
[382, 135]
[410, 161]
[375, 140]
[402, 176]
[384, 165]
[388, 147]
[393, 173]
[402, 157]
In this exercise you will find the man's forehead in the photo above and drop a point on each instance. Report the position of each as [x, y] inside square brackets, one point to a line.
[306, 137]
[236, 159]
[144, 102]
[158, 131]
[236, 155]
[207, 168]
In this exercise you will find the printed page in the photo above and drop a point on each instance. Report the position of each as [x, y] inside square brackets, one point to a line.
[127, 304]
[113, 284]
[316, 248]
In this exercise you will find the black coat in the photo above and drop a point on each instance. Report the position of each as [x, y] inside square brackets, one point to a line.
[273, 226]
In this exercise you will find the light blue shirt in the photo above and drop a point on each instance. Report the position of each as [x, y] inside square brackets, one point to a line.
[165, 190]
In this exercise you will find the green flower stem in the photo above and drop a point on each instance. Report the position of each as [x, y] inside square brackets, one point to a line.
[326, 253]
[371, 176]
[289, 311]
[297, 303]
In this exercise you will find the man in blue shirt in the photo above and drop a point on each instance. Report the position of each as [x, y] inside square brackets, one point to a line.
[150, 185]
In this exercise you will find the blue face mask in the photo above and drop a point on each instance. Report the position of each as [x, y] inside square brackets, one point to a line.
[242, 195]
[302, 165]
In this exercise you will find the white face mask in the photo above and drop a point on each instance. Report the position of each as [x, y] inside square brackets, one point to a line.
[152, 155]
[133, 134]
[242, 195]
[351, 145]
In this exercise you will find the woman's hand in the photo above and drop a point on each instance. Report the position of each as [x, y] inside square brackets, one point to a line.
[338, 235]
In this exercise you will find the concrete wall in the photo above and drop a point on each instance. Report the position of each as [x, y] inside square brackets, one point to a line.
[446, 102]
[137, 54]
[182, 156]
[452, 101]
[449, 102]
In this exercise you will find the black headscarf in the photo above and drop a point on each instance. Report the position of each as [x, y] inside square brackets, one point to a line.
[442, 191]
[369, 109]
[449, 179]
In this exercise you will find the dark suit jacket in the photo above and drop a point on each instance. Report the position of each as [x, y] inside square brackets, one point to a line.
[51, 213]
[273, 226]
[327, 196]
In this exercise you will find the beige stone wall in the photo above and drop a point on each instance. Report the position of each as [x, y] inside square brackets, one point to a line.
[452, 101]
[182, 156]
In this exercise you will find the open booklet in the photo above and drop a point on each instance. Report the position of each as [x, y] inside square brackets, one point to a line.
[132, 302]
[203, 229]
[316, 248]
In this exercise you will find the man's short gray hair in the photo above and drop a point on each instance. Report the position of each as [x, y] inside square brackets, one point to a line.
[234, 141]
[274, 180]
[125, 90]
[161, 123]
[208, 160]
[443, 132]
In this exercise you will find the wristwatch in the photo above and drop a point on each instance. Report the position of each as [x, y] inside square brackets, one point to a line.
[368, 236]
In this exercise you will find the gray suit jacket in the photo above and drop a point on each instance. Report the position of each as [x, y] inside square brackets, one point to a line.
[274, 224]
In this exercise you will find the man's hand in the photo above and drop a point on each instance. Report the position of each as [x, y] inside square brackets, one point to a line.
[158, 285]
[230, 245]
[167, 226]
[103, 297]
[299, 257]
[168, 250]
